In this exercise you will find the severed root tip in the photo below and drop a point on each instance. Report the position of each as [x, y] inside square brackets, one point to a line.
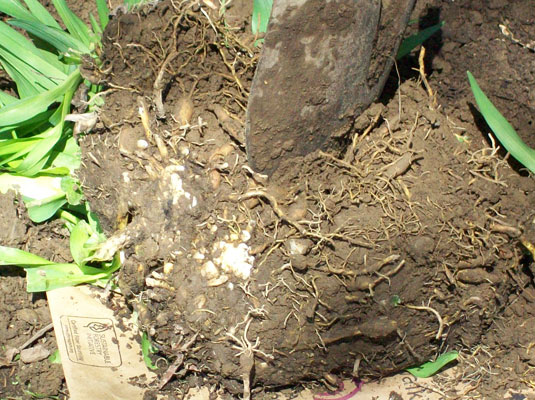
[247, 366]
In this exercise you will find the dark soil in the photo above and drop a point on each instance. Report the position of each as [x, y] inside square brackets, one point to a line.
[421, 208]
[23, 314]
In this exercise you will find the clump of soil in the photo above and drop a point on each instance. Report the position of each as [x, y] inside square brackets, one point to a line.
[327, 236]
[362, 262]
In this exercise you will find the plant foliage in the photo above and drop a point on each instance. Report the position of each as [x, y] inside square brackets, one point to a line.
[432, 367]
[503, 130]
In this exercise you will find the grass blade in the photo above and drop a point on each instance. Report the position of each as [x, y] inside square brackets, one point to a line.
[36, 159]
[6, 99]
[26, 77]
[15, 9]
[12, 256]
[24, 109]
[503, 130]
[24, 87]
[58, 38]
[74, 25]
[41, 13]
[103, 13]
[261, 14]
[417, 39]
[431, 368]
[95, 25]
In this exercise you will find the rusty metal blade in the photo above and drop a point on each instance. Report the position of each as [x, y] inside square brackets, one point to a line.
[323, 63]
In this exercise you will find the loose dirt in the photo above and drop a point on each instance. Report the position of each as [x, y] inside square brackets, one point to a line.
[363, 261]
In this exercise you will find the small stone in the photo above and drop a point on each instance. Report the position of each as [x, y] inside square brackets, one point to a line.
[34, 354]
[142, 144]
[27, 315]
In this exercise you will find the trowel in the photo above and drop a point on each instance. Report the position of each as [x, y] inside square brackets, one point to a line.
[323, 63]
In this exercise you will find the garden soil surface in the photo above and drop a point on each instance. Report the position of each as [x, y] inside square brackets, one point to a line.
[403, 241]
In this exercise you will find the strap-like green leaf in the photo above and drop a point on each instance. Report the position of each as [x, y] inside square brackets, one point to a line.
[41, 13]
[103, 13]
[74, 25]
[261, 14]
[25, 72]
[417, 39]
[24, 109]
[14, 146]
[61, 40]
[24, 87]
[6, 98]
[37, 157]
[15, 9]
[503, 130]
[430, 368]
[33, 67]
[29, 126]
[55, 276]
[11, 256]
[95, 25]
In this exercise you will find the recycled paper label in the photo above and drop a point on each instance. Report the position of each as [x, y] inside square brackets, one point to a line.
[100, 353]
[91, 341]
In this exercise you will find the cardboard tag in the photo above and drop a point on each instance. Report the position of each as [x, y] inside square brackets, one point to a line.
[100, 360]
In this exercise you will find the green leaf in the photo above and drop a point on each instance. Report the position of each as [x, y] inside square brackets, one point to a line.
[261, 14]
[35, 160]
[12, 256]
[54, 358]
[146, 349]
[103, 13]
[71, 187]
[55, 276]
[63, 163]
[6, 98]
[29, 107]
[39, 188]
[95, 25]
[43, 275]
[44, 209]
[430, 368]
[417, 39]
[24, 87]
[15, 9]
[29, 126]
[79, 235]
[503, 130]
[74, 25]
[58, 38]
[13, 149]
[41, 13]
[52, 57]
[17, 50]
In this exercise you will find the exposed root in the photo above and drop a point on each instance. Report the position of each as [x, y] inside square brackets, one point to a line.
[171, 370]
[436, 313]
[430, 93]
